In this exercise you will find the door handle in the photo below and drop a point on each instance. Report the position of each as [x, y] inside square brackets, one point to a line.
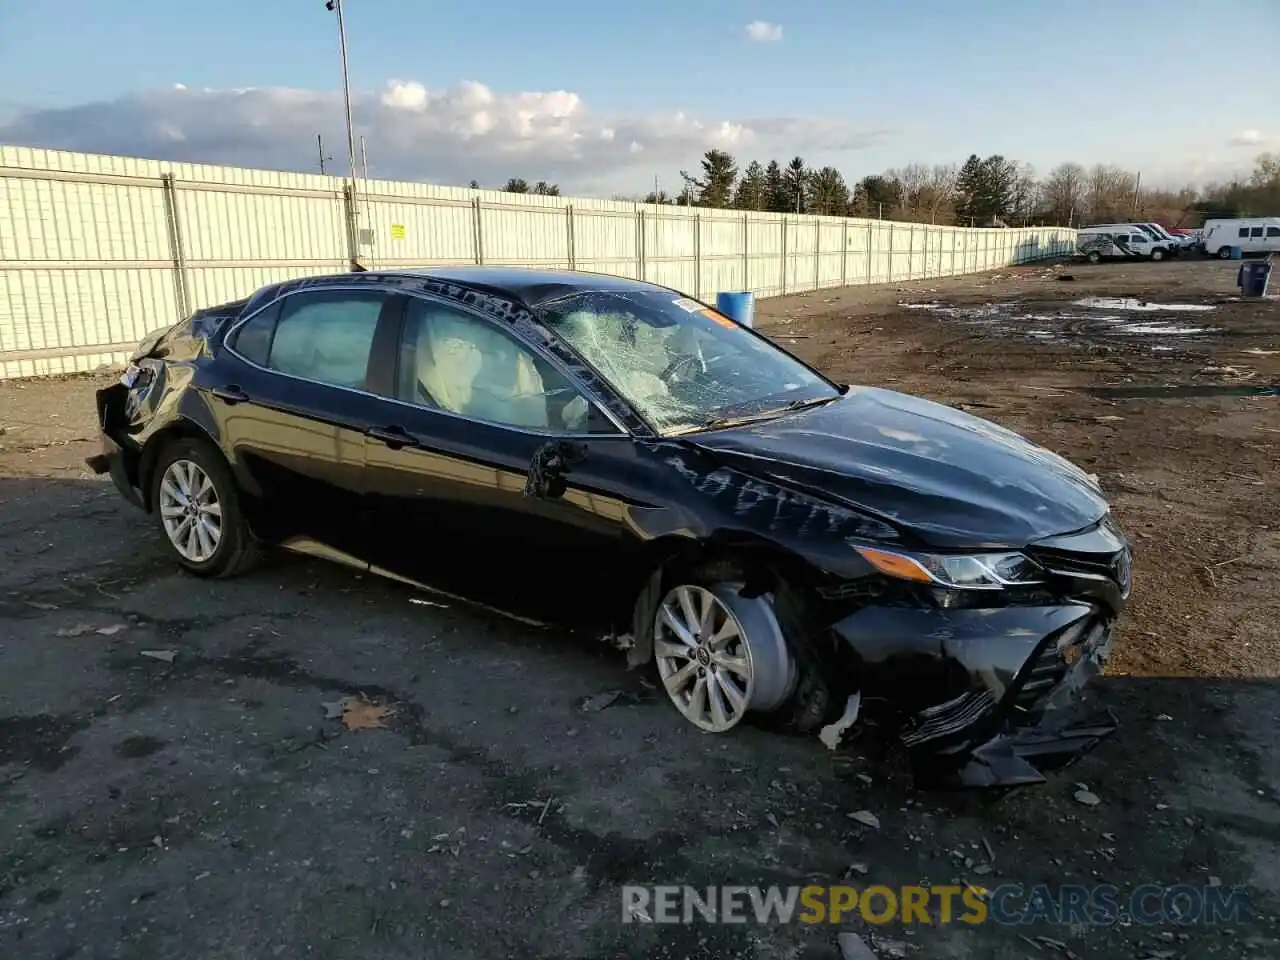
[231, 394]
[394, 437]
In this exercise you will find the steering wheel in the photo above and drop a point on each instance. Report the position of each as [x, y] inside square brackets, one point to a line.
[676, 365]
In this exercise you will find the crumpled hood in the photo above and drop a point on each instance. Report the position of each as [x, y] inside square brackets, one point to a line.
[952, 479]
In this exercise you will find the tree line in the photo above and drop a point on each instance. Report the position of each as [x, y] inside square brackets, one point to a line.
[990, 191]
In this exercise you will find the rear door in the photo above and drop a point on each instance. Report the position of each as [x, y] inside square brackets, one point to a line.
[292, 392]
[471, 407]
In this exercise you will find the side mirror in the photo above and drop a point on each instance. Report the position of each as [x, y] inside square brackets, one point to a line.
[551, 464]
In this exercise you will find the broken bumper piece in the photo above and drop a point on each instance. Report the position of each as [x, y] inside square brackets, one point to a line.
[113, 458]
[1018, 757]
[1024, 672]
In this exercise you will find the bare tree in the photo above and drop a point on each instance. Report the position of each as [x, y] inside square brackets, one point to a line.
[1064, 193]
[938, 190]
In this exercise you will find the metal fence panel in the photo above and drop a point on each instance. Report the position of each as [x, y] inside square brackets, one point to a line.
[97, 251]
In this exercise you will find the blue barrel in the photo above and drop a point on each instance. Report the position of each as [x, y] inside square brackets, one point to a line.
[1237, 253]
[1254, 278]
[739, 306]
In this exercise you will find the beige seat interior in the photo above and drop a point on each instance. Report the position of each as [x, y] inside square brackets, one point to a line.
[471, 369]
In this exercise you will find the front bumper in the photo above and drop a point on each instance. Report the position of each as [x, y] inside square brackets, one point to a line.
[1024, 672]
[117, 460]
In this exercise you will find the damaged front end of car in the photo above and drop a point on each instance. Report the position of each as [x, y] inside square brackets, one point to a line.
[986, 659]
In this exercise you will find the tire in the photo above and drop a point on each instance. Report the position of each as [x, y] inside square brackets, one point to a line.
[1224, 253]
[188, 524]
[739, 659]
[1095, 257]
[1157, 255]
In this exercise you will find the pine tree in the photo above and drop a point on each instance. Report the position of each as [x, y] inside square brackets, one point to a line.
[517, 185]
[970, 188]
[752, 192]
[775, 190]
[828, 193]
[795, 179]
[719, 173]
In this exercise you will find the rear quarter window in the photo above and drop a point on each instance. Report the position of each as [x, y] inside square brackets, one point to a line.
[253, 338]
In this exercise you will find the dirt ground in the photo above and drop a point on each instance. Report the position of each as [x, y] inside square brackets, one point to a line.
[204, 806]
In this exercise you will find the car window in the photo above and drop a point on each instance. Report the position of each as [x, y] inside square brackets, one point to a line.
[1273, 231]
[326, 336]
[253, 340]
[455, 361]
[680, 364]
[1255, 232]
[1137, 238]
[1244, 231]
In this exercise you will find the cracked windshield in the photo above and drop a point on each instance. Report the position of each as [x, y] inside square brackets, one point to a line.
[682, 365]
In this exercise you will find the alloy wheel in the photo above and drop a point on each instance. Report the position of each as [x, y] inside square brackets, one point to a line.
[190, 511]
[703, 658]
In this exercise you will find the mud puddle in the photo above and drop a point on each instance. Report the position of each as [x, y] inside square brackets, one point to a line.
[1090, 320]
[1180, 391]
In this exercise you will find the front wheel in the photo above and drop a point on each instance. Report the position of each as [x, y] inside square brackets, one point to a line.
[197, 505]
[720, 655]
[1224, 253]
[1157, 255]
[1095, 257]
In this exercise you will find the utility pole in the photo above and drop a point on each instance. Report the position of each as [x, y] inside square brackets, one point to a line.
[336, 6]
[320, 148]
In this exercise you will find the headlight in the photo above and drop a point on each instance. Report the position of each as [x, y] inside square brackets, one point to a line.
[973, 571]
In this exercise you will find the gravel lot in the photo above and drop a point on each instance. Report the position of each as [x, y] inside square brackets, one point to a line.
[206, 807]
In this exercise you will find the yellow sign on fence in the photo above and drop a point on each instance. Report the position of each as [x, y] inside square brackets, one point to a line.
[397, 231]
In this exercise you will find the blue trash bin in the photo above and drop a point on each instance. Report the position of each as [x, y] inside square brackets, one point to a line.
[738, 306]
[1253, 278]
[1237, 253]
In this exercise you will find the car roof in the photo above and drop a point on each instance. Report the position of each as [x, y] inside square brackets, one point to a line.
[527, 286]
[531, 286]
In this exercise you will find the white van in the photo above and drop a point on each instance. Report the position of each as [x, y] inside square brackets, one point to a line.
[1117, 240]
[1250, 234]
[1177, 243]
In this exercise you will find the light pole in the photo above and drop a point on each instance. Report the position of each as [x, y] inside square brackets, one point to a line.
[336, 6]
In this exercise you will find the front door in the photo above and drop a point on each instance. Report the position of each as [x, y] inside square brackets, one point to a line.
[292, 401]
[446, 473]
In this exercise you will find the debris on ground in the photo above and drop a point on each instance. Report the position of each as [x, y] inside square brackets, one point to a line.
[168, 656]
[601, 701]
[112, 630]
[853, 947]
[1059, 946]
[1087, 797]
[832, 733]
[866, 818]
[39, 605]
[358, 713]
[79, 630]
[428, 603]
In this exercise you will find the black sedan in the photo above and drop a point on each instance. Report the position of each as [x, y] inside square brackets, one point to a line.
[615, 452]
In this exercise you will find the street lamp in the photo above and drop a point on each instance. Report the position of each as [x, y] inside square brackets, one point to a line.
[336, 6]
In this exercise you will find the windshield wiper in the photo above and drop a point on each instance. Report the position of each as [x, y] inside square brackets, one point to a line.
[787, 407]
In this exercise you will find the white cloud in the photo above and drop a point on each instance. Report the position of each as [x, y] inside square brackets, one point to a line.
[414, 133]
[1247, 138]
[764, 32]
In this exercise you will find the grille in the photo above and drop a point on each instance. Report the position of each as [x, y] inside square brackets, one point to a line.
[1115, 568]
[1049, 666]
[944, 718]
[1041, 675]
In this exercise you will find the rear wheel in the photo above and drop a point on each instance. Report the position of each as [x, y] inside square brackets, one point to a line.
[197, 505]
[720, 655]
[1094, 256]
[1224, 253]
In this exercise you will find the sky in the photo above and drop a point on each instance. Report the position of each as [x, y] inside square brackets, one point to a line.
[604, 98]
